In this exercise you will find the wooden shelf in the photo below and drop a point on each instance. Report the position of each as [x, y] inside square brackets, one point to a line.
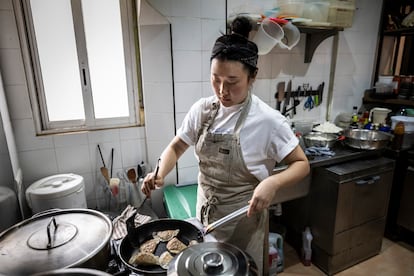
[314, 37]
[387, 102]
[399, 32]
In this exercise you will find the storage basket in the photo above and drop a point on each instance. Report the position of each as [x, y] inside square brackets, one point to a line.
[341, 13]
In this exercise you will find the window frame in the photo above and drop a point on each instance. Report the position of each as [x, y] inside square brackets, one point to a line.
[31, 63]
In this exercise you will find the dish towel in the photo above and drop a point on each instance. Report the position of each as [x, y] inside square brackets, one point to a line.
[119, 223]
[318, 151]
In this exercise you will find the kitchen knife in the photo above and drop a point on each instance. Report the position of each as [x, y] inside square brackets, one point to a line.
[320, 92]
[280, 94]
[287, 99]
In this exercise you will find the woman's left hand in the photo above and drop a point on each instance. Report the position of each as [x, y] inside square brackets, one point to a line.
[265, 192]
[262, 197]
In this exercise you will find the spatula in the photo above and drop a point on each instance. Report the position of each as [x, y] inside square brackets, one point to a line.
[104, 169]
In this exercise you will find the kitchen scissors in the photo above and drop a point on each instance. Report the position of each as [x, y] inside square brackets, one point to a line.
[309, 104]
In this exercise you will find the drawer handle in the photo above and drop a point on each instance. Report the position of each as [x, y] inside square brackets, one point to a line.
[368, 181]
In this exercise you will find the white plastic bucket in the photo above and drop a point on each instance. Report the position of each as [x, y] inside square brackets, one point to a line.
[269, 34]
[60, 191]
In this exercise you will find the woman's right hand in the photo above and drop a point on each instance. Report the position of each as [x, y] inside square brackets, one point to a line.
[150, 183]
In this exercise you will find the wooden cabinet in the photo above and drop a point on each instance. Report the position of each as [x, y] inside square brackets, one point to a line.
[349, 205]
[405, 212]
[395, 55]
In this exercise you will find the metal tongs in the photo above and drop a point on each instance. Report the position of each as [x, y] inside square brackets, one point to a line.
[212, 226]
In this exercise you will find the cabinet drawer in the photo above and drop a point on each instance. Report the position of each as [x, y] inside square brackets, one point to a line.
[347, 197]
[406, 211]
[362, 200]
[349, 247]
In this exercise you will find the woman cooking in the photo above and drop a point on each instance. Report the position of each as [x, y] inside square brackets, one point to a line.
[238, 139]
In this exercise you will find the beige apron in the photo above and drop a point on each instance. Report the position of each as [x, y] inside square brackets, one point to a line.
[227, 185]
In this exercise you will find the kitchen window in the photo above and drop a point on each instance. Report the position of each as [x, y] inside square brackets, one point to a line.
[82, 64]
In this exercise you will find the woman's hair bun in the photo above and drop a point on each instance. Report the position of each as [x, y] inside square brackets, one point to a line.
[241, 25]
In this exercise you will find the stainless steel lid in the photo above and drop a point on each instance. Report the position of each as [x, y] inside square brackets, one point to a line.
[212, 258]
[53, 240]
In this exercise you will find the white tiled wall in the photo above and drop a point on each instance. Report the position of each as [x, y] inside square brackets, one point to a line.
[353, 73]
[42, 156]
[195, 24]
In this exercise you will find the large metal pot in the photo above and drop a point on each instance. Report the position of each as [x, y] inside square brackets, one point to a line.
[56, 240]
[212, 258]
[73, 272]
[320, 139]
[367, 139]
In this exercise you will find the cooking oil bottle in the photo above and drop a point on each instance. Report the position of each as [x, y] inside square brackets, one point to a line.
[398, 139]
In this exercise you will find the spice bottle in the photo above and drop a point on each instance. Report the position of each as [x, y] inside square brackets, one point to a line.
[354, 118]
[398, 139]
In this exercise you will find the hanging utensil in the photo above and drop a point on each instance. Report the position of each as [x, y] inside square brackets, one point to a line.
[104, 169]
[105, 174]
[287, 100]
[280, 94]
[112, 160]
[139, 171]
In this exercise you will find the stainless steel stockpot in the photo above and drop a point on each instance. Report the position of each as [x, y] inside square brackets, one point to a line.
[55, 240]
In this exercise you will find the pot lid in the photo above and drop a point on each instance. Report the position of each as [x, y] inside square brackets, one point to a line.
[212, 258]
[55, 186]
[53, 240]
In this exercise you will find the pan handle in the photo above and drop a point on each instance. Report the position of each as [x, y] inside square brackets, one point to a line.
[225, 219]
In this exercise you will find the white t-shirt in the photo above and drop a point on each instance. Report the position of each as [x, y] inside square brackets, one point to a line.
[265, 138]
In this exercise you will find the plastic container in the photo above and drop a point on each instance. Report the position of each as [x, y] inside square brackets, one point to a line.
[303, 127]
[291, 36]
[273, 259]
[341, 13]
[269, 34]
[407, 120]
[291, 7]
[385, 79]
[275, 243]
[378, 115]
[307, 247]
[61, 191]
[316, 10]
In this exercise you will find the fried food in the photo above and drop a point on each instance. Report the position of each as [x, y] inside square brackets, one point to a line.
[144, 258]
[165, 259]
[149, 246]
[166, 235]
[192, 242]
[175, 246]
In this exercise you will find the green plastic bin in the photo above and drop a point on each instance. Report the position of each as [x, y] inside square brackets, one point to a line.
[180, 201]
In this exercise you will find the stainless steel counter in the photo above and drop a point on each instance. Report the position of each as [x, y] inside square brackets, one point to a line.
[343, 153]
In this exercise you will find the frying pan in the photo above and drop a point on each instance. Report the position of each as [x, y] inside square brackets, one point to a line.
[188, 232]
[138, 235]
